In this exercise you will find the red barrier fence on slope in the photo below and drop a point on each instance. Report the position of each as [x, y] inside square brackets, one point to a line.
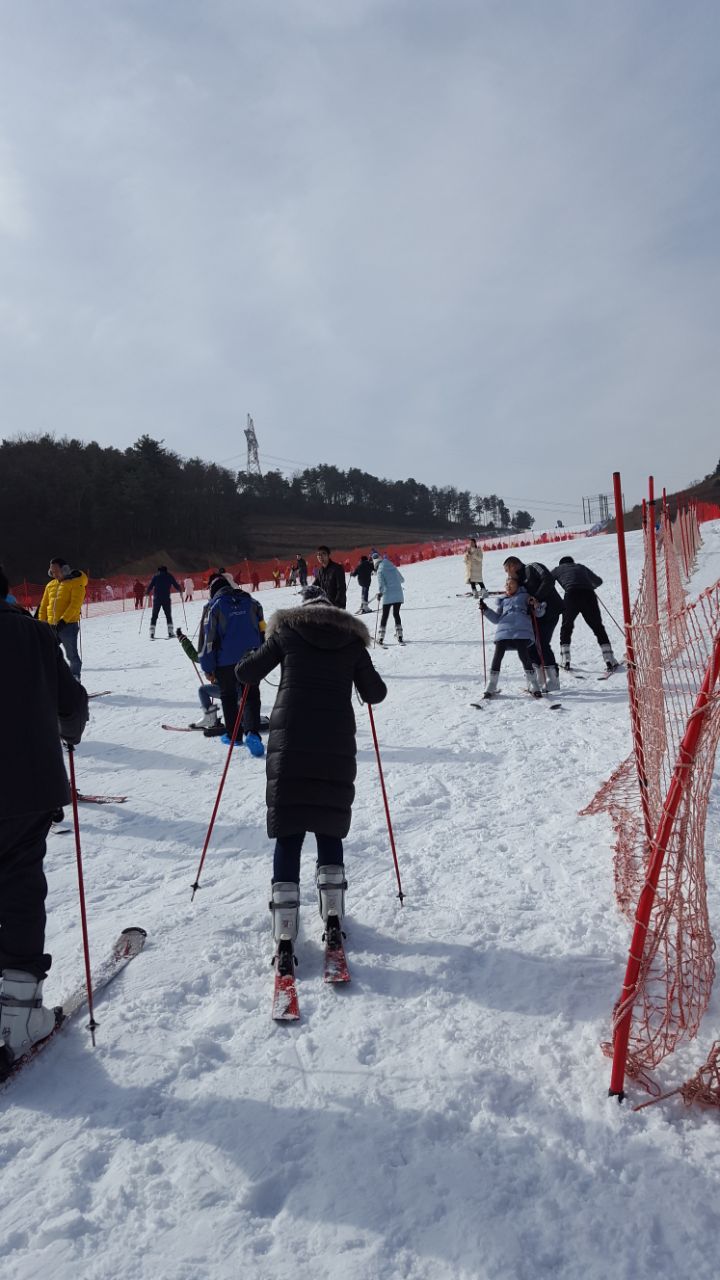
[657, 800]
[117, 593]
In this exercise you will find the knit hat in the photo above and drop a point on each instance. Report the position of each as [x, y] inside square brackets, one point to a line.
[217, 583]
[314, 595]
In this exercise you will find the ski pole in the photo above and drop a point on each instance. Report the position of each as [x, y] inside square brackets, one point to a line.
[482, 627]
[142, 615]
[538, 646]
[231, 748]
[400, 893]
[377, 619]
[81, 889]
[183, 609]
[617, 624]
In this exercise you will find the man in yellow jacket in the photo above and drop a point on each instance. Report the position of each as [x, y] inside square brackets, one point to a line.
[61, 606]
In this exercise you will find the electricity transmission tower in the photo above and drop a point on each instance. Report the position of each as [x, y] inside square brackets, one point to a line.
[253, 459]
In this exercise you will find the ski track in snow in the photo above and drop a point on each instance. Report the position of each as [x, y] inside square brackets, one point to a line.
[446, 1115]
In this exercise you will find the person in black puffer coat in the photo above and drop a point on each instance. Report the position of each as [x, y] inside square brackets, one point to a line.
[311, 747]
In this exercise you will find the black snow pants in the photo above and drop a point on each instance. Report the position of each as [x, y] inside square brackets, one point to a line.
[582, 600]
[546, 626]
[230, 694]
[525, 650]
[166, 608]
[23, 889]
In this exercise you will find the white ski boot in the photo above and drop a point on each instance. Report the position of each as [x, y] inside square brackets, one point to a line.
[399, 635]
[381, 636]
[532, 683]
[541, 677]
[491, 687]
[552, 679]
[152, 631]
[331, 886]
[24, 1020]
[285, 906]
[171, 633]
[208, 720]
[565, 656]
[611, 662]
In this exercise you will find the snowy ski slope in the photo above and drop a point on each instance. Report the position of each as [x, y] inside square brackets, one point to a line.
[445, 1117]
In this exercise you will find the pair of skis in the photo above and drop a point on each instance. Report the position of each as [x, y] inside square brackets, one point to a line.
[285, 1002]
[128, 945]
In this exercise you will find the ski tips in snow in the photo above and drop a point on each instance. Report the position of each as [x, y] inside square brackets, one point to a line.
[127, 945]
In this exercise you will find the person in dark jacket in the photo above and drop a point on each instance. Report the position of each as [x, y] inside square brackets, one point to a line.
[42, 704]
[363, 572]
[330, 578]
[579, 584]
[311, 747]
[302, 570]
[138, 593]
[160, 587]
[232, 625]
[539, 583]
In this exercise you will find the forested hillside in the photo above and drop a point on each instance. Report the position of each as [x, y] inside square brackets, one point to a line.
[103, 507]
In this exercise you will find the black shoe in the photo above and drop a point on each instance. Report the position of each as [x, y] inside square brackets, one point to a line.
[215, 730]
[57, 815]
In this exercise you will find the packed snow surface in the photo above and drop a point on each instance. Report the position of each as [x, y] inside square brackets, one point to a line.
[446, 1116]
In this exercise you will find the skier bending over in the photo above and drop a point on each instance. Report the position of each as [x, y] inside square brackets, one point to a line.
[232, 624]
[42, 702]
[160, 587]
[389, 581]
[311, 766]
[514, 630]
[579, 584]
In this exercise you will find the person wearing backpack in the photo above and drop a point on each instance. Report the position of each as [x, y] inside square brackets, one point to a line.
[232, 626]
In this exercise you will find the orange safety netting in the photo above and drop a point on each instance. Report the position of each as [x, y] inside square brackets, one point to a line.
[658, 799]
[117, 593]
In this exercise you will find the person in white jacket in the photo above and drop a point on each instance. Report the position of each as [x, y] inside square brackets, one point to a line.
[474, 566]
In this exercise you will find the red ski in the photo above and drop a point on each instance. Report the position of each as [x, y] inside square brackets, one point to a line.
[285, 1005]
[101, 799]
[335, 967]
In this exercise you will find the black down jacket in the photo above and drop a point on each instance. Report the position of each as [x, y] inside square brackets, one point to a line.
[311, 747]
[41, 701]
[576, 577]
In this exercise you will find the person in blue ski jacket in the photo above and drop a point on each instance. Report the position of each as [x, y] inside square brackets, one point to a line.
[389, 584]
[232, 626]
[514, 629]
[160, 587]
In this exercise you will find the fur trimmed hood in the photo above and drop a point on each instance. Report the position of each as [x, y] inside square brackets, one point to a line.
[321, 624]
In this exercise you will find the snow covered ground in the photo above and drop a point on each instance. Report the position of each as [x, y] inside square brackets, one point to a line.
[443, 1117]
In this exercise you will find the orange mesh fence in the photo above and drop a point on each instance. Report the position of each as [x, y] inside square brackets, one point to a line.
[657, 800]
[116, 594]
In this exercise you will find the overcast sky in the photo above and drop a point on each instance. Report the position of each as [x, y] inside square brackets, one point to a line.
[472, 242]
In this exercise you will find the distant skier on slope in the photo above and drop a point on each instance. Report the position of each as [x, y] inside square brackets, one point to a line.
[311, 748]
[42, 703]
[514, 631]
[389, 584]
[540, 585]
[579, 584]
[159, 588]
[232, 625]
[364, 573]
[474, 566]
[61, 606]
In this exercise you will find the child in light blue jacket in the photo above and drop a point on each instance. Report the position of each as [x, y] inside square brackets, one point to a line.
[514, 630]
[389, 583]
